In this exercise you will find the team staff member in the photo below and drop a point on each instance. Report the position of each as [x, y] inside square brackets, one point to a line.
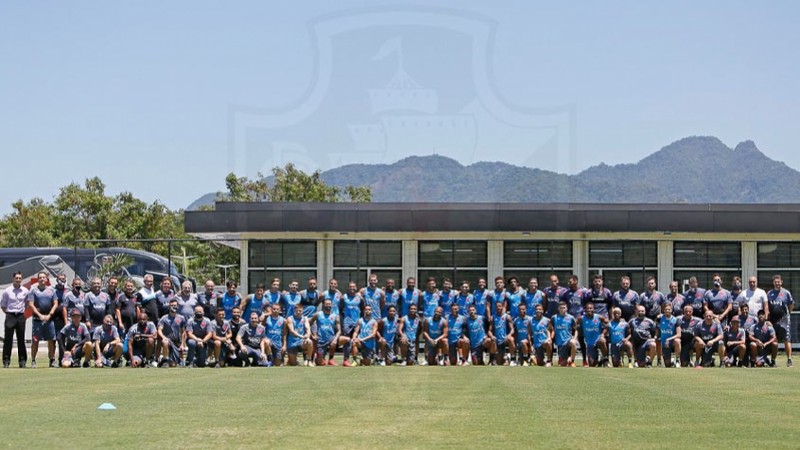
[781, 305]
[107, 344]
[43, 303]
[76, 342]
[223, 340]
[208, 299]
[126, 308]
[252, 339]
[199, 332]
[13, 305]
[98, 304]
[172, 332]
[141, 341]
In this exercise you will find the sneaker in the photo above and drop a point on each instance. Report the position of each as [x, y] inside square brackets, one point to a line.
[571, 364]
[305, 363]
[659, 364]
[525, 364]
[548, 364]
[5, 364]
[331, 362]
[424, 362]
[789, 362]
[216, 365]
[33, 364]
[114, 365]
[52, 363]
[153, 363]
[585, 363]
[85, 364]
[402, 363]
[382, 363]
[677, 364]
[635, 365]
[512, 364]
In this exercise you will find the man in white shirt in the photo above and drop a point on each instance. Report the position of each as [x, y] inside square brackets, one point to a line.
[756, 298]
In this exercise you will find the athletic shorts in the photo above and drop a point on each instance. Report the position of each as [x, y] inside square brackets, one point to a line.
[43, 331]
[640, 349]
[174, 351]
[616, 351]
[667, 348]
[564, 351]
[295, 349]
[782, 332]
[430, 350]
[593, 352]
[366, 352]
[347, 330]
[452, 350]
[540, 355]
[275, 354]
[708, 353]
[323, 347]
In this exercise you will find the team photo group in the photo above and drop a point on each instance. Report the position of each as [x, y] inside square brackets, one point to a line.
[508, 324]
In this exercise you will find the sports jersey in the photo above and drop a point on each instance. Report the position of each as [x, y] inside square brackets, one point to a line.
[351, 309]
[255, 305]
[455, 327]
[717, 300]
[592, 329]
[494, 297]
[731, 336]
[172, 327]
[42, 299]
[252, 335]
[430, 300]
[435, 328]
[273, 329]
[476, 332]
[372, 297]
[551, 299]
[563, 326]
[779, 302]
[326, 326]
[667, 327]
[602, 300]
[236, 326]
[574, 301]
[541, 331]
[695, 298]
[299, 328]
[127, 308]
[334, 297]
[410, 328]
[687, 328]
[389, 330]
[221, 329]
[105, 336]
[392, 299]
[676, 300]
[533, 298]
[522, 324]
[617, 330]
[642, 329]
[228, 302]
[75, 301]
[200, 328]
[707, 332]
[463, 302]
[514, 299]
[288, 302]
[626, 301]
[97, 306]
[365, 328]
[763, 332]
[737, 300]
[136, 330]
[209, 303]
[186, 305]
[479, 298]
[500, 326]
[747, 322]
[310, 299]
[652, 302]
[446, 299]
[74, 335]
[273, 298]
[162, 301]
[409, 297]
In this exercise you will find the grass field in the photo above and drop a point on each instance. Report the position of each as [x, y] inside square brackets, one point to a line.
[408, 407]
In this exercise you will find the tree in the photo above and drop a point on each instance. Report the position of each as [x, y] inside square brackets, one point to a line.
[29, 225]
[290, 184]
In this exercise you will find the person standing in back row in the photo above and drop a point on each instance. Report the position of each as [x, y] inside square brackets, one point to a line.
[43, 303]
[13, 304]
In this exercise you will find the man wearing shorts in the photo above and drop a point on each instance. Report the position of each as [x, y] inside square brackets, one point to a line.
[76, 342]
[141, 341]
[457, 341]
[275, 325]
[364, 343]
[523, 333]
[565, 329]
[763, 342]
[669, 335]
[326, 332]
[224, 346]
[479, 342]
[388, 327]
[298, 338]
[373, 296]
[708, 340]
[172, 333]
[781, 305]
[435, 334]
[735, 344]
[593, 327]
[619, 339]
[107, 344]
[43, 304]
[409, 337]
[350, 307]
[253, 344]
[688, 323]
[502, 331]
[626, 299]
[542, 337]
[643, 333]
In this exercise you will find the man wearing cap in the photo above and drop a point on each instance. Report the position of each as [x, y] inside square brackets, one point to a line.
[13, 305]
[76, 341]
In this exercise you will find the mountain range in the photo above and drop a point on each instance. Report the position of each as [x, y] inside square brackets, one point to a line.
[697, 169]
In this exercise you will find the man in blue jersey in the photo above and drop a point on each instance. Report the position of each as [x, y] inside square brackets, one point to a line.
[481, 298]
[643, 333]
[298, 338]
[457, 341]
[141, 341]
[435, 333]
[310, 298]
[718, 301]
[410, 334]
[515, 295]
[669, 335]
[496, 295]
[708, 340]
[326, 329]
[274, 294]
[464, 299]
[674, 298]
[388, 327]
[409, 296]
[593, 327]
[781, 305]
[565, 329]
[76, 340]
[619, 339]
[542, 337]
[574, 298]
[391, 297]
[374, 296]
[365, 333]
[429, 300]
[291, 298]
[533, 296]
[446, 296]
[479, 341]
[274, 328]
[172, 333]
[42, 302]
[230, 299]
[256, 302]
[334, 295]
[552, 296]
[763, 342]
[502, 331]
[107, 344]
[695, 296]
[735, 344]
[602, 297]
[523, 333]
[252, 339]
[350, 309]
[625, 299]
[199, 332]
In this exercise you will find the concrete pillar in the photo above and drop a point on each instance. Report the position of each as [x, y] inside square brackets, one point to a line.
[410, 262]
[494, 258]
[749, 260]
[665, 265]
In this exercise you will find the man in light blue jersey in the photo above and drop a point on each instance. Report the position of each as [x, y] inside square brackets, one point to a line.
[275, 331]
[334, 295]
[626, 299]
[593, 327]
[409, 335]
[542, 337]
[435, 334]
[350, 308]
[502, 331]
[574, 298]
[310, 298]
[523, 332]
[479, 341]
[497, 295]
[565, 329]
[464, 299]
[274, 294]
[291, 298]
[256, 302]
[409, 296]
[446, 296]
[481, 298]
[374, 297]
[298, 338]
[552, 296]
[619, 335]
[391, 297]
[366, 332]
[429, 300]
[669, 336]
[533, 296]
[457, 341]
[515, 295]
[326, 331]
[230, 299]
[388, 327]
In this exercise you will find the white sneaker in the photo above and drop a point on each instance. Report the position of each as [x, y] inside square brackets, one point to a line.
[383, 363]
[424, 362]
[441, 362]
[677, 364]
[403, 363]
[548, 364]
[512, 364]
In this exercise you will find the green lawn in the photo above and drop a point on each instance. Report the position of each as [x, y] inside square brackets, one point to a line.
[403, 407]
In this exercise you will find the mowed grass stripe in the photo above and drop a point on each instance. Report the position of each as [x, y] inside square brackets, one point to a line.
[411, 407]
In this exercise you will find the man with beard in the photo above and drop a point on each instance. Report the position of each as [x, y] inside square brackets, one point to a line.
[199, 332]
[674, 298]
[388, 328]
[350, 309]
[533, 296]
[695, 296]
[107, 344]
[446, 295]
[515, 295]
[643, 333]
[464, 299]
[601, 296]
[224, 344]
[252, 340]
[708, 340]
[502, 331]
[735, 344]
[61, 311]
[42, 302]
[542, 337]
[172, 333]
[256, 302]
[626, 299]
[653, 301]
[364, 342]
[142, 341]
[391, 297]
[373, 296]
[409, 296]
[565, 329]
[326, 333]
[457, 342]
[619, 339]
[429, 300]
[310, 298]
[236, 323]
[593, 329]
[574, 299]
[409, 336]
[435, 334]
[126, 307]
[763, 342]
[718, 301]
[523, 331]
[669, 336]
[688, 324]
[781, 305]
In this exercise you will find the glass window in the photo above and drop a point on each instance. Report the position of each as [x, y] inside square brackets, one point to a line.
[282, 254]
[367, 253]
[779, 255]
[452, 254]
[261, 276]
[708, 254]
[537, 253]
[623, 254]
[791, 281]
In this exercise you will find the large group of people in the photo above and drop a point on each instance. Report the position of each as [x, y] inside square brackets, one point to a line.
[505, 325]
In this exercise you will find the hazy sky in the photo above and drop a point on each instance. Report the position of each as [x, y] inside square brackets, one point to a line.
[164, 98]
